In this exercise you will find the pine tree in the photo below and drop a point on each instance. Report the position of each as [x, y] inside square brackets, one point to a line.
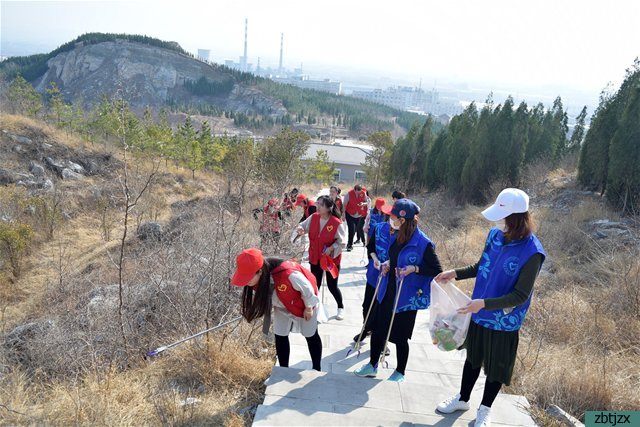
[56, 103]
[578, 131]
[477, 170]
[377, 162]
[623, 177]
[321, 168]
[461, 130]
[593, 163]
[23, 98]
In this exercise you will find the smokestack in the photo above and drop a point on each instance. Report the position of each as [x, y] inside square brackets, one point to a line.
[244, 58]
[281, 44]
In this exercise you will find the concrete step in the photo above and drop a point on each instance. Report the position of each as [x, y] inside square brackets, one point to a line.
[297, 397]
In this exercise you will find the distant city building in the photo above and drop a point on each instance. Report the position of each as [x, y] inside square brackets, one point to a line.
[348, 159]
[410, 99]
[326, 85]
[204, 54]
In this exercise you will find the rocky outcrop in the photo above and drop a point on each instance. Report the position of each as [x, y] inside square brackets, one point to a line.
[144, 75]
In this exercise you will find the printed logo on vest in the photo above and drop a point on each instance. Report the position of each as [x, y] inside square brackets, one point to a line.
[511, 265]
[411, 258]
[282, 287]
[329, 228]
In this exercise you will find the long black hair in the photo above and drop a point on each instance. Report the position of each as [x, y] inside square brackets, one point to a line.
[328, 203]
[255, 300]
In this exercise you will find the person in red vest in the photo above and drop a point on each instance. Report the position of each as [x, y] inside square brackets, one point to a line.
[309, 206]
[334, 193]
[292, 292]
[288, 201]
[356, 203]
[325, 239]
[271, 222]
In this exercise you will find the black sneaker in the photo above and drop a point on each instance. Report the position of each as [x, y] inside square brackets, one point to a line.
[349, 248]
[357, 241]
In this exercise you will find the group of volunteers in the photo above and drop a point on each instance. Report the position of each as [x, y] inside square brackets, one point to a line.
[402, 264]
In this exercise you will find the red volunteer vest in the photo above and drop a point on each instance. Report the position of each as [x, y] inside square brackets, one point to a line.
[287, 204]
[321, 239]
[270, 221]
[287, 295]
[352, 204]
[339, 207]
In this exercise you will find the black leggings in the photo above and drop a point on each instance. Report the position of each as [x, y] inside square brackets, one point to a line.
[368, 297]
[402, 351]
[331, 282]
[354, 226]
[283, 350]
[469, 377]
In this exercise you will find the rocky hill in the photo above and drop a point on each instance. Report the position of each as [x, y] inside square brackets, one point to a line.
[155, 73]
[145, 74]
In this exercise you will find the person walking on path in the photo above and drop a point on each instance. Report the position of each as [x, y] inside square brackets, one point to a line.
[325, 241]
[405, 286]
[374, 216]
[288, 288]
[356, 206]
[505, 275]
[378, 253]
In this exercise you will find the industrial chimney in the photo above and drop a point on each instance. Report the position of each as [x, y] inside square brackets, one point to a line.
[280, 65]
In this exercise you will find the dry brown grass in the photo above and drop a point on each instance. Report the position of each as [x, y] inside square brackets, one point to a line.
[580, 344]
[79, 372]
[227, 382]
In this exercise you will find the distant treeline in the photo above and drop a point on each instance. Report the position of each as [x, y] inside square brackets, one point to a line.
[206, 87]
[480, 148]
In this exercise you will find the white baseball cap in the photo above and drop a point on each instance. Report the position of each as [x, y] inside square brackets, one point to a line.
[509, 201]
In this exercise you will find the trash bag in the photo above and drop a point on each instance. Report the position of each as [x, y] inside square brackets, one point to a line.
[447, 327]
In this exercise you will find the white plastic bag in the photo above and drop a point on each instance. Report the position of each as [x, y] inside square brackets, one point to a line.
[322, 313]
[448, 329]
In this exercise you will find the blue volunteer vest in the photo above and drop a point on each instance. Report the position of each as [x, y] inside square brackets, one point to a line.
[498, 273]
[416, 289]
[383, 243]
[374, 218]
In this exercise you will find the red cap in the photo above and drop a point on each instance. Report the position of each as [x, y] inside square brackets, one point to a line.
[327, 264]
[379, 203]
[386, 209]
[248, 263]
[301, 198]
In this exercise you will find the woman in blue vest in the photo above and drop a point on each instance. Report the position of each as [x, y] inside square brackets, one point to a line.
[375, 216]
[380, 238]
[412, 259]
[505, 275]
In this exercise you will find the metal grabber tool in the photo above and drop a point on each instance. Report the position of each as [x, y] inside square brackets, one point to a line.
[383, 356]
[356, 346]
[159, 350]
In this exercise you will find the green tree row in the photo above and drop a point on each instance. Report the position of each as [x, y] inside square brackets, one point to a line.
[479, 148]
[610, 155]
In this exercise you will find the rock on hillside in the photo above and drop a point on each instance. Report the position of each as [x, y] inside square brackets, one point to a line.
[145, 75]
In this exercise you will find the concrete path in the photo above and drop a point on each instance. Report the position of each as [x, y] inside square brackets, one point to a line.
[299, 396]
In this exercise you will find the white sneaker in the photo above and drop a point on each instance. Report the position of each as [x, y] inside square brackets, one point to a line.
[452, 404]
[340, 315]
[483, 418]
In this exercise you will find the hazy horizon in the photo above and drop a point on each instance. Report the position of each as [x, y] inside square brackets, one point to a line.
[541, 48]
